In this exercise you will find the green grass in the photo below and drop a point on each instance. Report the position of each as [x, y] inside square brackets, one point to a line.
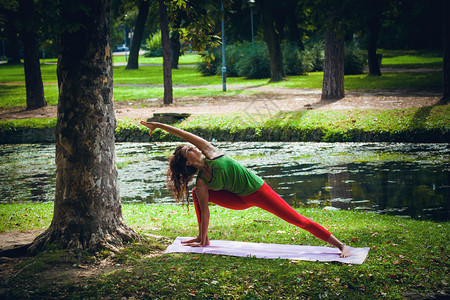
[12, 91]
[187, 59]
[122, 93]
[414, 124]
[411, 59]
[406, 257]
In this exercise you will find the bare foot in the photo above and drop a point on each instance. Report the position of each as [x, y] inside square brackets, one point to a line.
[196, 240]
[345, 252]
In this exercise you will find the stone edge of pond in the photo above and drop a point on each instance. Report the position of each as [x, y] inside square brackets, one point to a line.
[26, 135]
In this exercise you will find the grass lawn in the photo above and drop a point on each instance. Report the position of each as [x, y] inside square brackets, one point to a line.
[411, 59]
[12, 91]
[407, 257]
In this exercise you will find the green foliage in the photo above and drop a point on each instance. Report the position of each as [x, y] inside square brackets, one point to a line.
[428, 124]
[210, 63]
[315, 52]
[12, 125]
[297, 62]
[353, 60]
[154, 45]
[254, 62]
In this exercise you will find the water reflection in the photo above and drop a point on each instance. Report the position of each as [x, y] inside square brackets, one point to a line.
[402, 179]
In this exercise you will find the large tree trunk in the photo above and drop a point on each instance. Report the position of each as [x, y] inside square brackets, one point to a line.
[333, 74]
[273, 40]
[446, 45]
[87, 212]
[167, 56]
[33, 78]
[133, 60]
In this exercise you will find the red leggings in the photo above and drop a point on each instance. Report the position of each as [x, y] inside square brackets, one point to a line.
[267, 199]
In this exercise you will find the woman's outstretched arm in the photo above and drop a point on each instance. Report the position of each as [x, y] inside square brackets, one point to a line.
[203, 145]
[202, 196]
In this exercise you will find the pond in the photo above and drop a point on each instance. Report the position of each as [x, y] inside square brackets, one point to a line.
[408, 180]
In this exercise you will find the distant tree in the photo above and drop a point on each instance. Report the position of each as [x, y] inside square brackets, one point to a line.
[272, 36]
[133, 60]
[9, 17]
[87, 209]
[33, 77]
[12, 42]
[336, 18]
[333, 71]
[446, 53]
[374, 12]
[175, 45]
[167, 56]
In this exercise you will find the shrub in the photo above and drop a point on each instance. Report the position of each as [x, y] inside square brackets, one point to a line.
[213, 66]
[313, 54]
[353, 60]
[154, 45]
[234, 54]
[254, 62]
[297, 62]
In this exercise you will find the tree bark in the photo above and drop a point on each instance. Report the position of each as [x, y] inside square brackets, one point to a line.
[87, 210]
[374, 65]
[446, 52]
[175, 49]
[33, 78]
[133, 60]
[167, 56]
[373, 26]
[273, 40]
[333, 75]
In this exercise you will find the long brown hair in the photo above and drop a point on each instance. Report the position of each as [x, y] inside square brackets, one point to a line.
[179, 175]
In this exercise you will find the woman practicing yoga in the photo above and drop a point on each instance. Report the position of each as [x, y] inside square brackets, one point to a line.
[223, 181]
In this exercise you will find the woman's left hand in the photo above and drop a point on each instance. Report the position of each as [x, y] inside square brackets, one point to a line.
[149, 125]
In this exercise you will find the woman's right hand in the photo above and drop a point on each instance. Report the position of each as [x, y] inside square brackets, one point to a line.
[149, 125]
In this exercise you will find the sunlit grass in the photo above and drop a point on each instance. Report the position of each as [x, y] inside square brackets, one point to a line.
[147, 81]
[186, 59]
[411, 59]
[122, 93]
[406, 257]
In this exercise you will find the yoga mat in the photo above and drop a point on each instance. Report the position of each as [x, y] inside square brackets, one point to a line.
[270, 251]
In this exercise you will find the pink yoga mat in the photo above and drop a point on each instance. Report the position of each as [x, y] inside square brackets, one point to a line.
[270, 251]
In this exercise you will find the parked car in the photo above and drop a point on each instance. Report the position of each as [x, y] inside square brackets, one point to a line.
[121, 48]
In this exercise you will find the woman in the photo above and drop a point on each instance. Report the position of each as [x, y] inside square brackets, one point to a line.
[223, 181]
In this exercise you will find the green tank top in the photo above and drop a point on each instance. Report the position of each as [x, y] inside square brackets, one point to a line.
[229, 175]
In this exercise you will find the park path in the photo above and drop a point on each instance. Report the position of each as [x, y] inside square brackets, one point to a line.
[267, 99]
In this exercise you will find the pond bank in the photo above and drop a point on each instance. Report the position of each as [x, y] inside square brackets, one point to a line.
[425, 124]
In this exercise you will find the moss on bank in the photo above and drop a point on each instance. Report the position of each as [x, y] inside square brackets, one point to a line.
[426, 124]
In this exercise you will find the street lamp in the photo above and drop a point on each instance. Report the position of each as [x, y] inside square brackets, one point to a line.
[251, 3]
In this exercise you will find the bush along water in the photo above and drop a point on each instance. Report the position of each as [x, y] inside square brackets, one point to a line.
[397, 125]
